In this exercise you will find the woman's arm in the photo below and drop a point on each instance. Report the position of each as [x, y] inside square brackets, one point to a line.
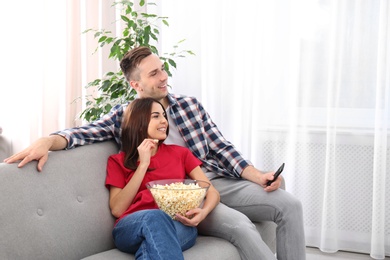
[121, 199]
[211, 201]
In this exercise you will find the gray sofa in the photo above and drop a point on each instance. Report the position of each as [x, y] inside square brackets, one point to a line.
[5, 147]
[62, 212]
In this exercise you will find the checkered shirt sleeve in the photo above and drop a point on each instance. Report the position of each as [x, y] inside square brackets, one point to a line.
[106, 128]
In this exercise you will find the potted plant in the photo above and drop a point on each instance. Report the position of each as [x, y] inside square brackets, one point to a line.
[140, 29]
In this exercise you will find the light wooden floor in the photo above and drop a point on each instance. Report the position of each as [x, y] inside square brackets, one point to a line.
[316, 254]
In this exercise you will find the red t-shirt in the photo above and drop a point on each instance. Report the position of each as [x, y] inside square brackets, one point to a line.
[170, 162]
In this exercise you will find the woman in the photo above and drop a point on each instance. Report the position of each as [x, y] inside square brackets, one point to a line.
[141, 228]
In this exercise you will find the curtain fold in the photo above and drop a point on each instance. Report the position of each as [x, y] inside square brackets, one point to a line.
[306, 83]
[381, 151]
[73, 64]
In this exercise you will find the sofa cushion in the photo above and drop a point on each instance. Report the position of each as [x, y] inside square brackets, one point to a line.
[205, 248]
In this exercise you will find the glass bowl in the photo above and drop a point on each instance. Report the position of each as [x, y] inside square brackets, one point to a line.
[177, 196]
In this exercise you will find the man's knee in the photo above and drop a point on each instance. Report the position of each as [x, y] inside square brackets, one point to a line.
[240, 226]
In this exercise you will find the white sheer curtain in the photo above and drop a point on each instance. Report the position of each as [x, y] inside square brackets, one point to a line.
[46, 62]
[307, 83]
[32, 62]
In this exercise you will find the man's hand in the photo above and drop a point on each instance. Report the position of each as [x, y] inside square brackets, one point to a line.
[274, 185]
[252, 174]
[39, 151]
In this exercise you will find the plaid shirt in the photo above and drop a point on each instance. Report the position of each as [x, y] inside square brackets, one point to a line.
[195, 126]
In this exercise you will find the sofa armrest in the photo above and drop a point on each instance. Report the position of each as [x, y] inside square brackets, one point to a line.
[283, 184]
[5, 147]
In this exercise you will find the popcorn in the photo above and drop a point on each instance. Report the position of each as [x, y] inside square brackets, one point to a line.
[178, 197]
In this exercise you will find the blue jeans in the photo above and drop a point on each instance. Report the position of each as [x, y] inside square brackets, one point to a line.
[152, 234]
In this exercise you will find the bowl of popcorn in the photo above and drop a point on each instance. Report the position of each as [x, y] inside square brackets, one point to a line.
[177, 196]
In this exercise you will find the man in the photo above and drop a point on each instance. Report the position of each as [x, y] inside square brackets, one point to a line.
[244, 193]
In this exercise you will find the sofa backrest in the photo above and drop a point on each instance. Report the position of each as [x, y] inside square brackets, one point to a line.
[61, 212]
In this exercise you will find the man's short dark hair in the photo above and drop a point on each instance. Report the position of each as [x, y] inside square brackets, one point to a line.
[131, 60]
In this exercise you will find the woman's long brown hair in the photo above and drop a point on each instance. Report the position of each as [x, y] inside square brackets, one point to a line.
[135, 128]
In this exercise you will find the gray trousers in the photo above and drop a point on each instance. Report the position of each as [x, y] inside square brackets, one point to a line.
[242, 202]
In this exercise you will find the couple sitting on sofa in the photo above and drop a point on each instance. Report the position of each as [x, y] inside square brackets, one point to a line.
[243, 189]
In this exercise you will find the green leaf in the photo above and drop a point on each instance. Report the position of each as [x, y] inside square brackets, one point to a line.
[145, 15]
[154, 37]
[105, 86]
[102, 39]
[97, 34]
[86, 31]
[172, 62]
[114, 51]
[124, 18]
[98, 100]
[154, 49]
[166, 67]
[109, 40]
[94, 83]
[114, 95]
[108, 107]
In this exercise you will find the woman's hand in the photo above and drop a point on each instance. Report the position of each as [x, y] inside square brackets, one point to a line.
[194, 216]
[197, 214]
[147, 149]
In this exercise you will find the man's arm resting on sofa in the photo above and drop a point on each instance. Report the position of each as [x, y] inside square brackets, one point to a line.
[39, 151]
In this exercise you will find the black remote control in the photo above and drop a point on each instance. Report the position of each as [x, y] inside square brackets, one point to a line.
[276, 175]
